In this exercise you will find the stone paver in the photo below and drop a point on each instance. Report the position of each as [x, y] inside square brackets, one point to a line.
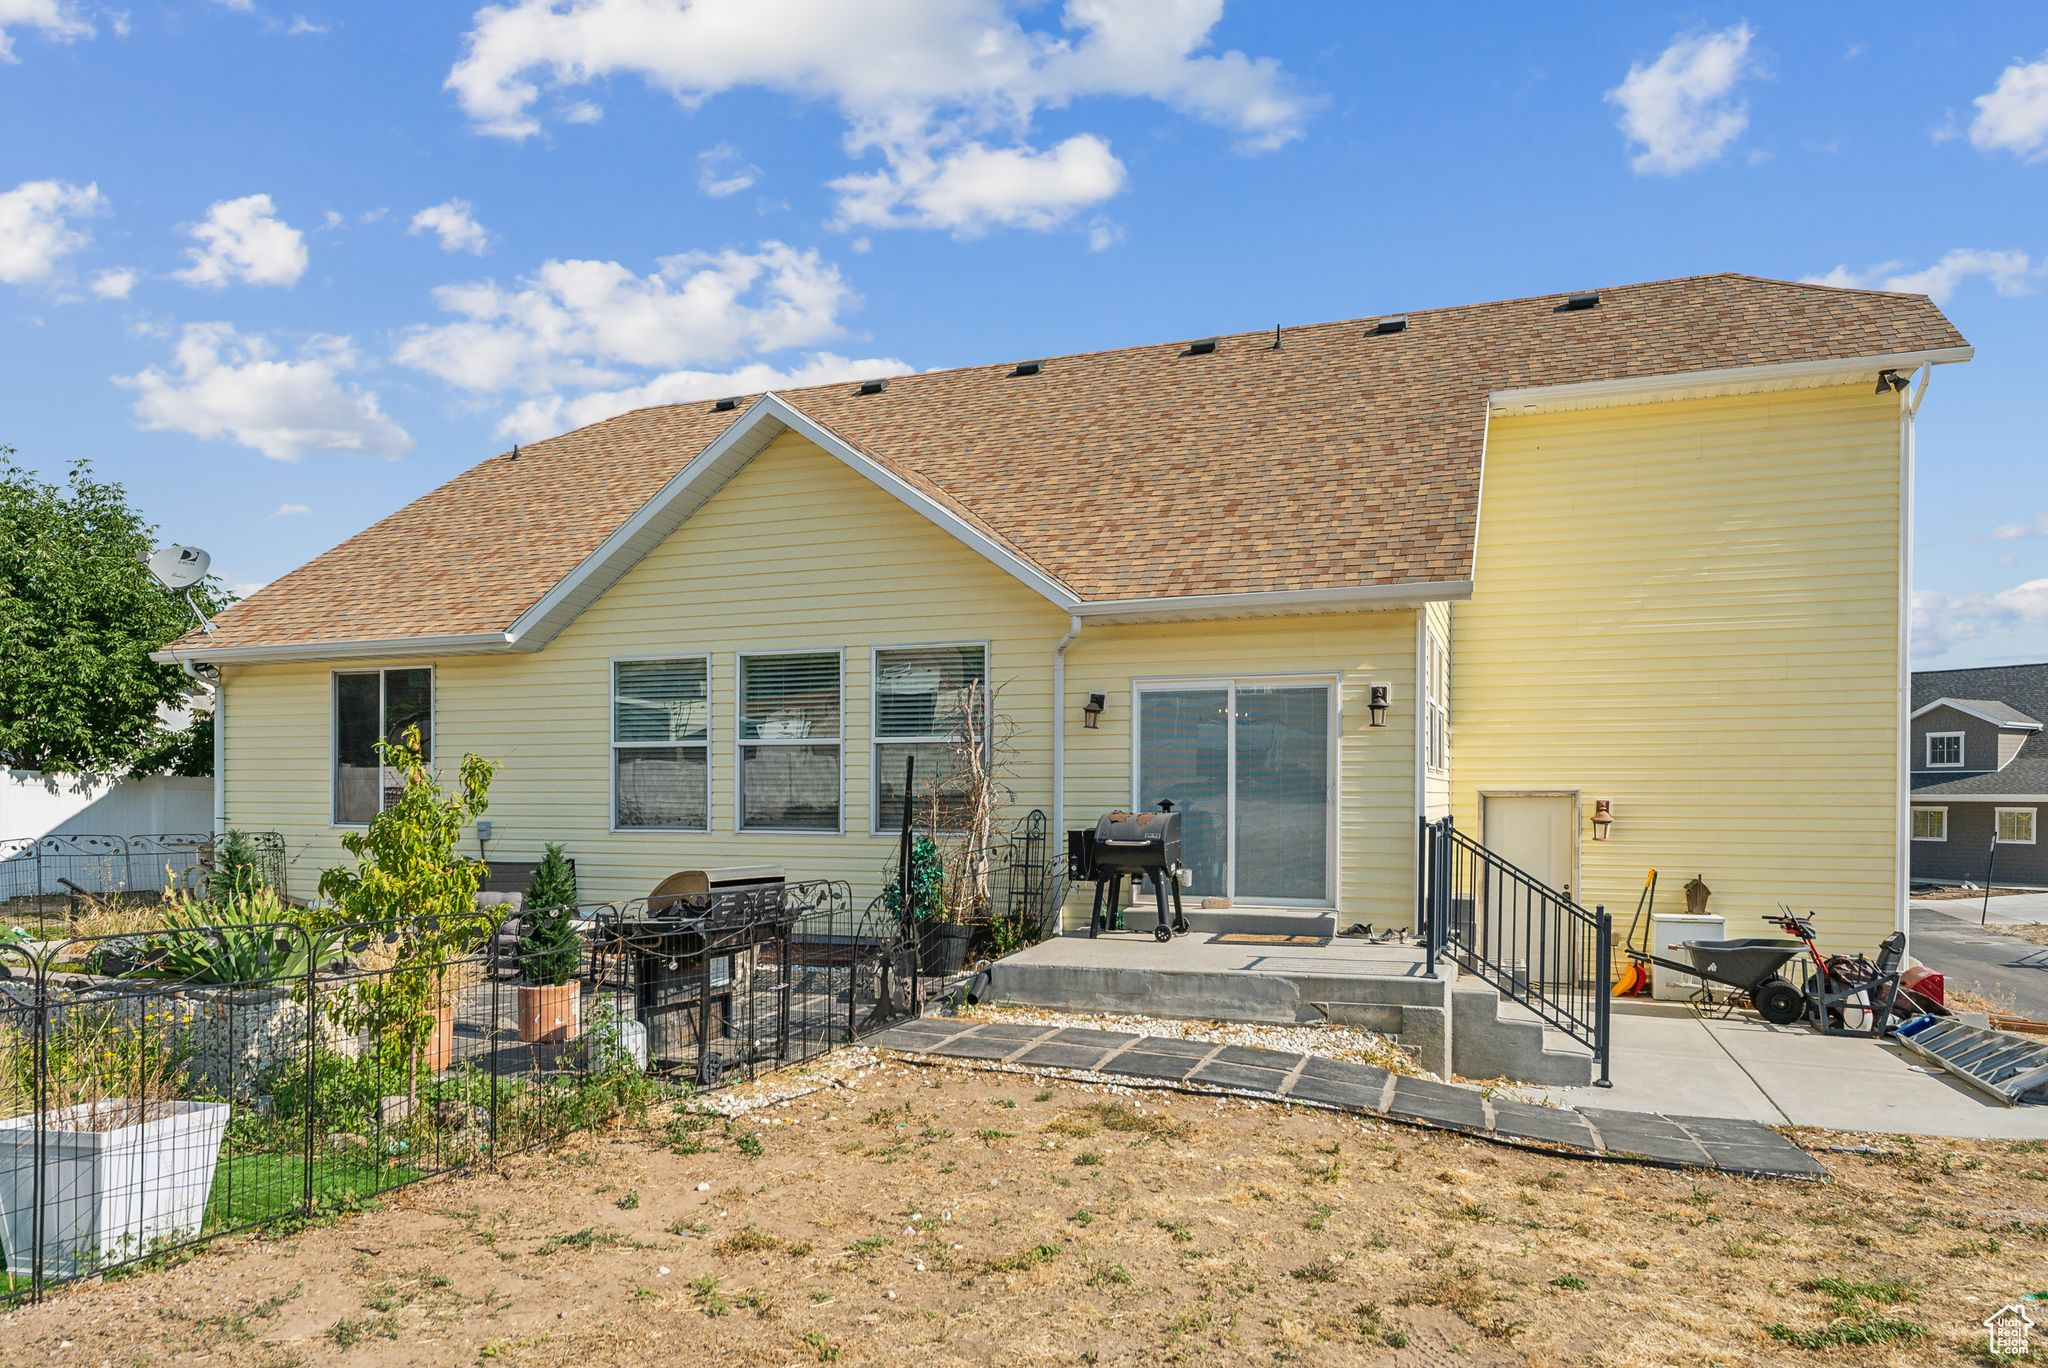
[1730, 1145]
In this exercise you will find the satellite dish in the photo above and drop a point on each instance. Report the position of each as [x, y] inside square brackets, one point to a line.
[179, 567]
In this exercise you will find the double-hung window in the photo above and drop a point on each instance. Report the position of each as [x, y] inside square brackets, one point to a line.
[1436, 704]
[661, 728]
[372, 706]
[2015, 826]
[931, 704]
[1944, 750]
[1930, 824]
[789, 742]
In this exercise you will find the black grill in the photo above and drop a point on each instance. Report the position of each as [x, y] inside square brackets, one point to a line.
[1139, 846]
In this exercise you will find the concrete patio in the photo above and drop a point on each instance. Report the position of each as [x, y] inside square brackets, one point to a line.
[1668, 1060]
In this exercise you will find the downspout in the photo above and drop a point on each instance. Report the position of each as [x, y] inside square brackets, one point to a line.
[1059, 729]
[1909, 410]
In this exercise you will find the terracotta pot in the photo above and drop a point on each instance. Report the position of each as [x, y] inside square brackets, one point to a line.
[550, 1013]
[440, 1052]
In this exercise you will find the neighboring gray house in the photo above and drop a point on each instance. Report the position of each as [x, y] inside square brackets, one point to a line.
[1979, 756]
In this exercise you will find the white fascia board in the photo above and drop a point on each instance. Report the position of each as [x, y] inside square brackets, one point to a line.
[1645, 388]
[1272, 601]
[467, 643]
[2005, 723]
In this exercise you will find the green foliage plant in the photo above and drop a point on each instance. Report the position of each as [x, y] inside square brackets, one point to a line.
[237, 868]
[242, 938]
[927, 880]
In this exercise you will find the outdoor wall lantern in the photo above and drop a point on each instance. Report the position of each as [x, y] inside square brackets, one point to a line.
[1091, 715]
[1603, 817]
[1377, 698]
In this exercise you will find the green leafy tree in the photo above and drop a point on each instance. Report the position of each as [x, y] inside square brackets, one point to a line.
[414, 889]
[79, 616]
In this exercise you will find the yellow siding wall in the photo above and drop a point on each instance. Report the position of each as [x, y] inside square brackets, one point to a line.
[1691, 609]
[1375, 767]
[796, 551]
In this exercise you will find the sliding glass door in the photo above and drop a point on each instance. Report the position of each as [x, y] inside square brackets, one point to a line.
[1249, 764]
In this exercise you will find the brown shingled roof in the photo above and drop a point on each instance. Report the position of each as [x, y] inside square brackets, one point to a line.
[1341, 459]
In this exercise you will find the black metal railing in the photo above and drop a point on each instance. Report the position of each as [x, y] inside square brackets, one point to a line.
[218, 1079]
[60, 870]
[1530, 941]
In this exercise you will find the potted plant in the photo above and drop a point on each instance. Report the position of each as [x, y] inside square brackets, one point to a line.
[126, 1164]
[550, 952]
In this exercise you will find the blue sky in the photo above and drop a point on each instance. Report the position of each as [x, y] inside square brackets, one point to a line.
[280, 267]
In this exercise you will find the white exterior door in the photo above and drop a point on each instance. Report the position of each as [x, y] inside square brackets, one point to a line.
[1538, 833]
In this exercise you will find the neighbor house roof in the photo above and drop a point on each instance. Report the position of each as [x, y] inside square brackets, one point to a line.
[1335, 458]
[2012, 696]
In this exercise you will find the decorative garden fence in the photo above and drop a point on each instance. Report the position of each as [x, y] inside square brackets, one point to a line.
[110, 867]
[151, 1099]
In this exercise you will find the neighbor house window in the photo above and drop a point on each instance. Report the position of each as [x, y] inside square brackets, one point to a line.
[1436, 703]
[372, 706]
[789, 736]
[923, 695]
[2016, 826]
[1930, 824]
[661, 726]
[1944, 750]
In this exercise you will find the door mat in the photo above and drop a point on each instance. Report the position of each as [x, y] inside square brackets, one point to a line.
[1266, 938]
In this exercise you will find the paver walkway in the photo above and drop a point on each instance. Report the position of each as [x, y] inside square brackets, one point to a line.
[1674, 1141]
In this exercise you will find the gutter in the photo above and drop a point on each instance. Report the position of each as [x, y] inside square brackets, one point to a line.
[463, 643]
[1647, 386]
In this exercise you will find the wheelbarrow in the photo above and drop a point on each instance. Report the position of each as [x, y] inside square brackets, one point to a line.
[1749, 965]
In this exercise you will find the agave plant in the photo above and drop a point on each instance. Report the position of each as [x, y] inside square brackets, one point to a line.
[245, 938]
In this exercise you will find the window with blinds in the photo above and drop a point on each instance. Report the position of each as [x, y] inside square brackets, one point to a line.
[789, 734]
[661, 728]
[923, 698]
[372, 706]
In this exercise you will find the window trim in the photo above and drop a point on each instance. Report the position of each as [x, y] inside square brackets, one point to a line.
[334, 675]
[740, 741]
[1917, 809]
[875, 738]
[1962, 750]
[612, 742]
[1336, 682]
[2033, 825]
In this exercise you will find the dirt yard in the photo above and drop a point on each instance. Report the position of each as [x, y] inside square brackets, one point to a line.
[937, 1215]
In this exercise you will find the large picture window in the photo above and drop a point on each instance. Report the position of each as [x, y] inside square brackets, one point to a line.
[789, 742]
[660, 744]
[922, 697]
[372, 706]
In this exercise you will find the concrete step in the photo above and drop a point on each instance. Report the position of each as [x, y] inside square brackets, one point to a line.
[1494, 1038]
[1229, 921]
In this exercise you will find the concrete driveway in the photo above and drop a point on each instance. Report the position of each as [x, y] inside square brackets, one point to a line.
[1666, 1059]
[2002, 969]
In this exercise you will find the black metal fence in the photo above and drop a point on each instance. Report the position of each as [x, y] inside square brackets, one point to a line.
[239, 1076]
[1534, 944]
[44, 870]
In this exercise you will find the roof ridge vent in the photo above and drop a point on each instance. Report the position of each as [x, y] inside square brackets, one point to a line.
[1392, 323]
[1028, 368]
[872, 387]
[725, 405]
[1584, 299]
[1205, 347]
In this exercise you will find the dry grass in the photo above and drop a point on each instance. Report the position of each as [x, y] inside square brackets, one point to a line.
[939, 1216]
[2035, 933]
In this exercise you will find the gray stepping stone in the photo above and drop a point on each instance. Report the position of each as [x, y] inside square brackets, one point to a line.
[1440, 1104]
[1769, 1161]
[1003, 1030]
[916, 1042]
[937, 1028]
[1546, 1125]
[1172, 1045]
[1360, 1094]
[1255, 1058]
[1217, 1074]
[1088, 1035]
[1343, 1071]
[978, 1046]
[1648, 1137]
[1053, 1054]
[1146, 1064]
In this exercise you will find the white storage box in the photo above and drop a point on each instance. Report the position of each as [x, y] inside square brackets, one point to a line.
[1668, 934]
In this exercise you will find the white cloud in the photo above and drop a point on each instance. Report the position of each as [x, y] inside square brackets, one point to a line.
[233, 385]
[974, 187]
[2010, 273]
[244, 239]
[454, 222]
[2015, 531]
[57, 20]
[1940, 621]
[1103, 235]
[114, 283]
[722, 171]
[582, 112]
[1681, 111]
[238, 6]
[543, 417]
[37, 229]
[945, 95]
[2013, 115]
[302, 27]
[580, 322]
[287, 510]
